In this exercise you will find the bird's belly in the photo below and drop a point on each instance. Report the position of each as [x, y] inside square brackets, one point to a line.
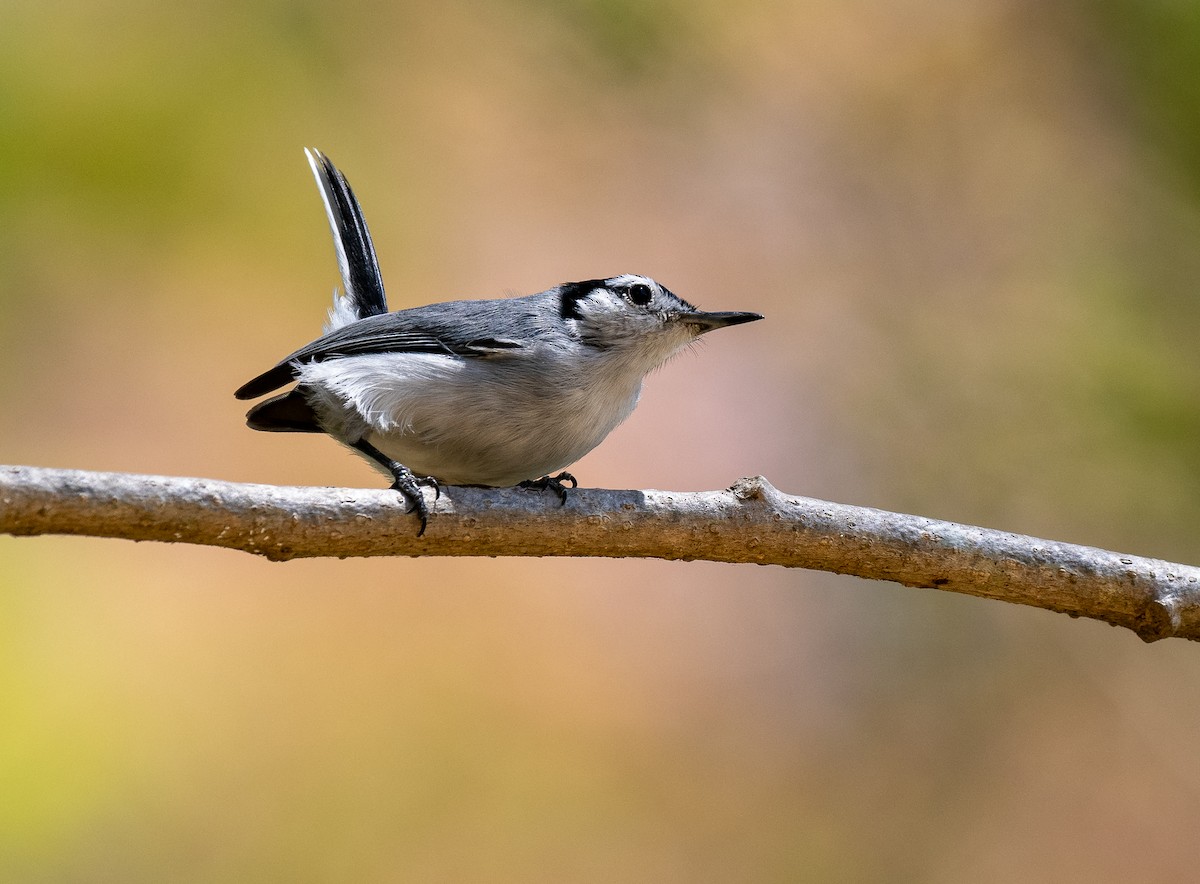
[465, 422]
[499, 444]
[505, 460]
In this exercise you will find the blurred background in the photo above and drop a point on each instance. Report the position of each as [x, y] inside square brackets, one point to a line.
[973, 229]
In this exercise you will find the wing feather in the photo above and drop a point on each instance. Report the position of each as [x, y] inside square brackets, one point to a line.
[391, 333]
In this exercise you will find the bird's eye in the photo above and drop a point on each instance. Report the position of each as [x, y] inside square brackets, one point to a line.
[640, 294]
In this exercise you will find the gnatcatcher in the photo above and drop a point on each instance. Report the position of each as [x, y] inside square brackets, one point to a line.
[492, 392]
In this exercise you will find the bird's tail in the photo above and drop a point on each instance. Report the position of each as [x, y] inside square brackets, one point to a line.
[362, 285]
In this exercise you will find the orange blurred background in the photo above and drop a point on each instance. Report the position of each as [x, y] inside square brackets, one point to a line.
[972, 228]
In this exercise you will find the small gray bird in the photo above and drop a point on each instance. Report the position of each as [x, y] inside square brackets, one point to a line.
[492, 392]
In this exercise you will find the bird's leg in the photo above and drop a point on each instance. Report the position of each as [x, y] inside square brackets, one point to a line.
[405, 482]
[554, 483]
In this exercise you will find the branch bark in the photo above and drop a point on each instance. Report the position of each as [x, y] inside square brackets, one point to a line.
[752, 522]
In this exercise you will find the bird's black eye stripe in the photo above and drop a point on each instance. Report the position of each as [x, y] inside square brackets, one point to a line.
[571, 293]
[640, 294]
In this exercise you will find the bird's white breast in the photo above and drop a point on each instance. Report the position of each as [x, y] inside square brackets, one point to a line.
[473, 421]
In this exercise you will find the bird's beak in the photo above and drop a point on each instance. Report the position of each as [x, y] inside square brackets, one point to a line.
[706, 322]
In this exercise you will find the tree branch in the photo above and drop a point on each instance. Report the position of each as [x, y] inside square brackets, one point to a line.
[751, 522]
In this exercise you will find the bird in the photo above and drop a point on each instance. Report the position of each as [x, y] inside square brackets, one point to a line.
[489, 392]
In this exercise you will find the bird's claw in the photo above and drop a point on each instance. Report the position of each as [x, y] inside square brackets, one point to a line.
[430, 482]
[410, 487]
[554, 483]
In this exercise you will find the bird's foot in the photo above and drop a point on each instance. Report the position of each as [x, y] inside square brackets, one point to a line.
[554, 483]
[410, 486]
[404, 481]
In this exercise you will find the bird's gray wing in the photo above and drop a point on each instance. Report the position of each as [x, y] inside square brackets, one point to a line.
[400, 332]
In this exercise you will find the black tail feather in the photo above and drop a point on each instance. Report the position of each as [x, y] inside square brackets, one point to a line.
[287, 413]
[361, 278]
